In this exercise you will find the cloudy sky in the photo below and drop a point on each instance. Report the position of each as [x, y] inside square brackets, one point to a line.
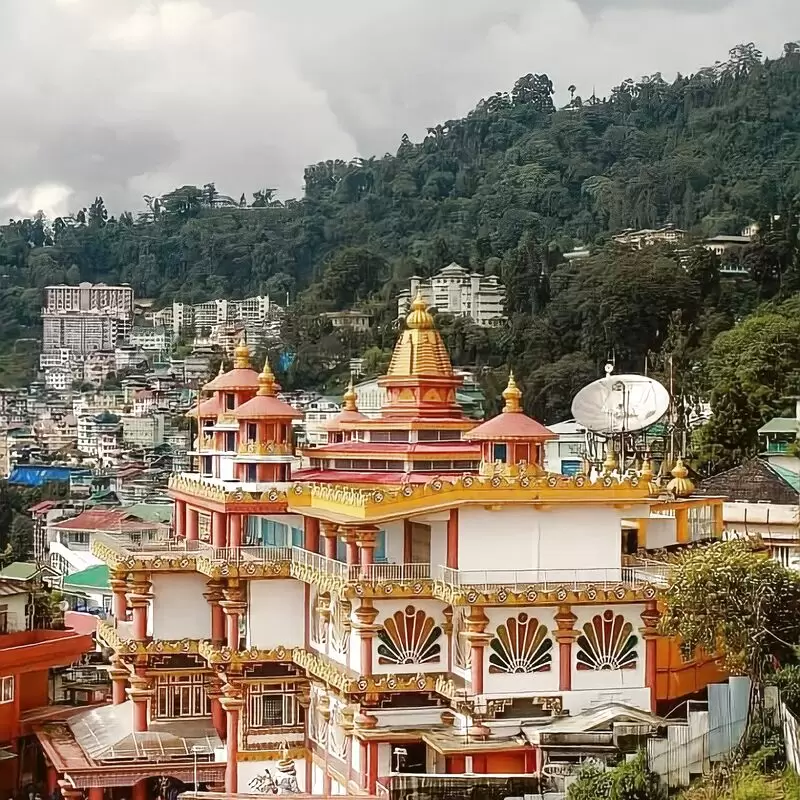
[130, 97]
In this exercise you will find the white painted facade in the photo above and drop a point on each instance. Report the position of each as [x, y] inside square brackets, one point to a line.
[275, 614]
[178, 606]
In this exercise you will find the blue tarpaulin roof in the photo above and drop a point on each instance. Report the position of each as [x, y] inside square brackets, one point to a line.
[39, 475]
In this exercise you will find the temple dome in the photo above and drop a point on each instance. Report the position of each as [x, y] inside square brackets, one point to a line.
[265, 403]
[241, 377]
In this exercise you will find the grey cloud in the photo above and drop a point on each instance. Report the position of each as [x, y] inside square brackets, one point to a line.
[137, 96]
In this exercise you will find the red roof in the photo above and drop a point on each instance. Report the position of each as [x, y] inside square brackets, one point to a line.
[108, 520]
[459, 447]
[383, 478]
[510, 425]
[210, 407]
[41, 508]
[236, 378]
[264, 405]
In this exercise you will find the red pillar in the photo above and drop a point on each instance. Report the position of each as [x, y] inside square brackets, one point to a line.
[119, 603]
[139, 791]
[372, 767]
[232, 748]
[352, 549]
[476, 668]
[407, 541]
[311, 534]
[218, 717]
[650, 617]
[217, 624]
[235, 530]
[232, 634]
[218, 531]
[452, 539]
[192, 524]
[52, 780]
[95, 793]
[331, 542]
[178, 524]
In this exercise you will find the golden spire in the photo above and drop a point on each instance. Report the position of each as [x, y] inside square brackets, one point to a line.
[266, 380]
[647, 470]
[680, 485]
[420, 318]
[241, 355]
[512, 395]
[349, 398]
[610, 464]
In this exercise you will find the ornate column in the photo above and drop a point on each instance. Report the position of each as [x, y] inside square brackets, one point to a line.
[311, 534]
[477, 638]
[139, 598]
[214, 595]
[192, 524]
[119, 603]
[452, 539]
[565, 635]
[119, 680]
[235, 530]
[650, 617]
[365, 616]
[140, 691]
[232, 702]
[349, 536]
[218, 531]
[214, 693]
[139, 790]
[179, 519]
[234, 606]
[330, 533]
[365, 542]
[95, 793]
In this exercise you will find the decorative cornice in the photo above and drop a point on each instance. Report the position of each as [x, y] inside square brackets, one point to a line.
[109, 636]
[221, 655]
[206, 490]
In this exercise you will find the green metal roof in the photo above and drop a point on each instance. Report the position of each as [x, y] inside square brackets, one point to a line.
[20, 571]
[95, 577]
[780, 425]
[151, 512]
[790, 476]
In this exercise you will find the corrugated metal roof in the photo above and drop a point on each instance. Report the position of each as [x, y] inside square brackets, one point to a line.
[780, 425]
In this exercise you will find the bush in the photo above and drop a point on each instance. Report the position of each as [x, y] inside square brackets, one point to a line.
[631, 780]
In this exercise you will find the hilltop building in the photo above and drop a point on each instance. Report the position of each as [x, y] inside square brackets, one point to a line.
[204, 319]
[422, 597]
[455, 290]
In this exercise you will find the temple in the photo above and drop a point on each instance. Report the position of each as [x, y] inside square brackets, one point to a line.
[406, 601]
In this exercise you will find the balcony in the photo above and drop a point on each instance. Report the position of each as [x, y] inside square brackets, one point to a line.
[169, 555]
[245, 562]
[532, 587]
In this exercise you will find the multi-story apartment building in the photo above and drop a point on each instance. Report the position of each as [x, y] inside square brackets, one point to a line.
[85, 318]
[455, 290]
[157, 339]
[403, 604]
[143, 431]
[202, 318]
[100, 437]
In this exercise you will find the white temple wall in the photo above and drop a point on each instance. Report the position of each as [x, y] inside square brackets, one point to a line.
[179, 610]
[276, 613]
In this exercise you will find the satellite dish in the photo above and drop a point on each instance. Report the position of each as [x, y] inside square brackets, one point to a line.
[620, 404]
[64, 605]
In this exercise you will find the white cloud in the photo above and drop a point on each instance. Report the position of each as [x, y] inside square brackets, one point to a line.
[48, 197]
[137, 96]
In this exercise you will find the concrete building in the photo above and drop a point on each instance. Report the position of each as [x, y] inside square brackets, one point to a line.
[202, 318]
[455, 290]
[645, 237]
[85, 318]
[156, 339]
[355, 320]
[145, 432]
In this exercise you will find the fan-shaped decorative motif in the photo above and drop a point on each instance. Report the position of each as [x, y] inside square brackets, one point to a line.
[462, 652]
[520, 644]
[409, 637]
[607, 642]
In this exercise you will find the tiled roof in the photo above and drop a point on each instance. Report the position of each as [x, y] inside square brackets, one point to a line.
[94, 577]
[510, 426]
[108, 520]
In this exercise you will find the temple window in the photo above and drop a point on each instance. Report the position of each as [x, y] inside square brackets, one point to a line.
[439, 436]
[272, 705]
[207, 466]
[499, 452]
[388, 436]
[251, 474]
[230, 401]
[252, 432]
[230, 441]
[7, 689]
[181, 696]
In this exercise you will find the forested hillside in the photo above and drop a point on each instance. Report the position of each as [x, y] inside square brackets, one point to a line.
[505, 190]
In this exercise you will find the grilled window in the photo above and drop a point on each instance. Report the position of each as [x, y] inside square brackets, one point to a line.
[181, 696]
[272, 705]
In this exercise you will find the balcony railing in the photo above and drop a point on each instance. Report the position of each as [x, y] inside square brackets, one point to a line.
[547, 580]
[328, 566]
[380, 573]
[239, 555]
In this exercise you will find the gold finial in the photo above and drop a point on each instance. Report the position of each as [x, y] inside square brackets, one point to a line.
[241, 355]
[512, 395]
[610, 464]
[221, 367]
[420, 318]
[647, 470]
[680, 485]
[266, 380]
[349, 398]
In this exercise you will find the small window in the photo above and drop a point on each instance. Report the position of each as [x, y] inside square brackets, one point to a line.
[7, 689]
[230, 441]
[500, 452]
[207, 468]
[250, 473]
[230, 401]
[252, 432]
